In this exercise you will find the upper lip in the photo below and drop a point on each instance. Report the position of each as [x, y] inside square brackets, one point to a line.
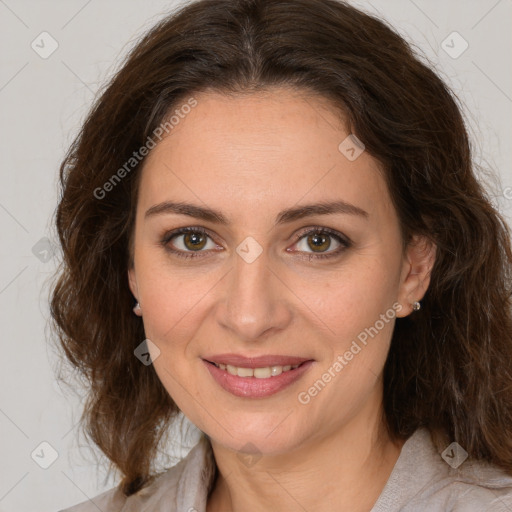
[255, 361]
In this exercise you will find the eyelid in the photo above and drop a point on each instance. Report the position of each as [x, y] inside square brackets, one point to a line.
[321, 229]
[342, 239]
[169, 235]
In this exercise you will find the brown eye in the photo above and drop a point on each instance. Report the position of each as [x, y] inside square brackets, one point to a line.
[194, 241]
[185, 242]
[319, 242]
[316, 242]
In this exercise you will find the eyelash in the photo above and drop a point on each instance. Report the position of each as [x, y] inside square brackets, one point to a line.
[344, 241]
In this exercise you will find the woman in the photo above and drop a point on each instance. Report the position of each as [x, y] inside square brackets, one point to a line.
[270, 222]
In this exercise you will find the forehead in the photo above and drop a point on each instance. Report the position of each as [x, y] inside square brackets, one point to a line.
[260, 152]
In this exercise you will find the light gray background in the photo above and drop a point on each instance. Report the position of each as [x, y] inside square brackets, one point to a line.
[42, 103]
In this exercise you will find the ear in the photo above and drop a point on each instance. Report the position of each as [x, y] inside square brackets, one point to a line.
[417, 266]
[132, 283]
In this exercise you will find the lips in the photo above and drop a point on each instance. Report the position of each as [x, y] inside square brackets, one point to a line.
[255, 361]
[256, 386]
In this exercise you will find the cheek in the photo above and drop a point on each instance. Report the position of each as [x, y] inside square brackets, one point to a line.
[346, 301]
[169, 296]
[173, 311]
[340, 303]
[356, 317]
[173, 305]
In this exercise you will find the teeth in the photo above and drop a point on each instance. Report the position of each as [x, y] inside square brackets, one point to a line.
[259, 373]
[244, 372]
[265, 373]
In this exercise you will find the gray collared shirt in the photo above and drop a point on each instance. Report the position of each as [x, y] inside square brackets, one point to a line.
[421, 481]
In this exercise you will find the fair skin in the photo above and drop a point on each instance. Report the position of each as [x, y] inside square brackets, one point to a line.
[250, 157]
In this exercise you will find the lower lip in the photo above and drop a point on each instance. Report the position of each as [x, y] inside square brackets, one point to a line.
[251, 387]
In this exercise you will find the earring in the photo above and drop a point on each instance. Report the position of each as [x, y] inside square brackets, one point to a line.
[136, 308]
[416, 306]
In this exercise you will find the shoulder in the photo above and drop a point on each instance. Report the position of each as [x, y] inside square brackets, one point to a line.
[425, 480]
[186, 482]
[481, 488]
[475, 486]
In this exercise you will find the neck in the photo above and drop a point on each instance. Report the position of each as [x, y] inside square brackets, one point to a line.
[345, 470]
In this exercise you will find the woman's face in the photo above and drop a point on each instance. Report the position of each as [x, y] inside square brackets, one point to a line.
[272, 275]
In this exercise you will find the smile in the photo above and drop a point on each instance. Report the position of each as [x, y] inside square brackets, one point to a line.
[258, 382]
[258, 373]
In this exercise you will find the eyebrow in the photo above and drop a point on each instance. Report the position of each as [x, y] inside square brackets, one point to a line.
[286, 216]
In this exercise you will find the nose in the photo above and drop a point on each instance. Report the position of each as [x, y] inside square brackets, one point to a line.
[256, 300]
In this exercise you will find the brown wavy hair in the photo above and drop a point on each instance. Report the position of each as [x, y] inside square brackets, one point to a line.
[449, 365]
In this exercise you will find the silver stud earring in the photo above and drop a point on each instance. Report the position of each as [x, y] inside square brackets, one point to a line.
[136, 308]
[416, 306]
